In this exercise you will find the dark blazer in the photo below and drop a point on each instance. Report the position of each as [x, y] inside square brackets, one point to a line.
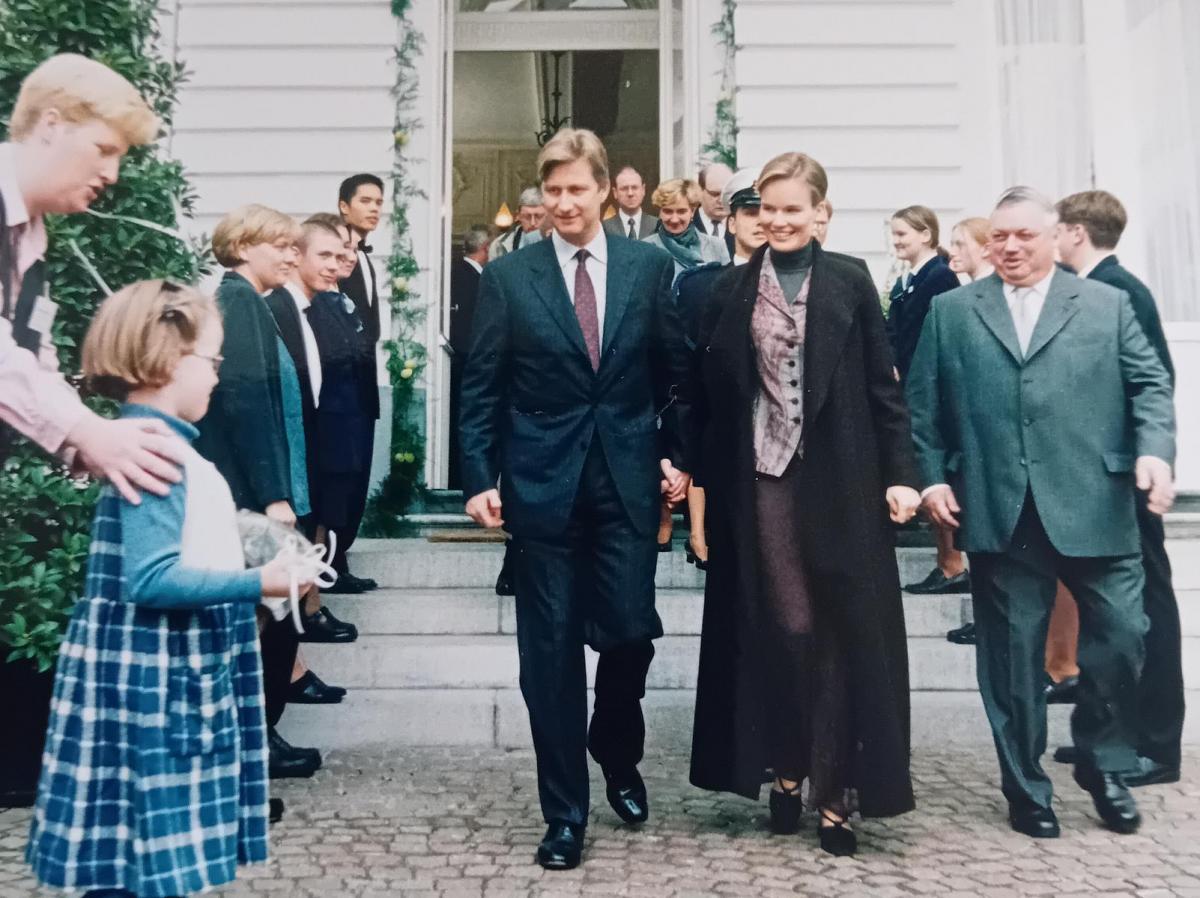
[532, 405]
[693, 288]
[464, 292]
[1112, 272]
[699, 222]
[243, 432]
[345, 415]
[1066, 421]
[856, 444]
[853, 260]
[287, 320]
[910, 305]
[365, 301]
[647, 226]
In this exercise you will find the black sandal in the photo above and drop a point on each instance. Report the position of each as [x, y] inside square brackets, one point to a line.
[786, 807]
[692, 557]
[838, 839]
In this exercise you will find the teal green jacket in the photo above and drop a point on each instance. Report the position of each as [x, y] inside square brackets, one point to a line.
[1066, 421]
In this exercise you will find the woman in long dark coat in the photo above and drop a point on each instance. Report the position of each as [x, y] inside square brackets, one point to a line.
[805, 446]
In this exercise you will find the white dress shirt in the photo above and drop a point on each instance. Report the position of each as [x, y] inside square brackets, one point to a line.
[712, 228]
[1025, 305]
[368, 273]
[597, 269]
[312, 354]
[635, 219]
[473, 264]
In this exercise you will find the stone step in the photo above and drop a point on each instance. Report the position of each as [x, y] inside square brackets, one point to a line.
[400, 718]
[480, 612]
[421, 564]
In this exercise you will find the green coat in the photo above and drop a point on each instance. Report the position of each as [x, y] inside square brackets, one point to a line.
[1066, 422]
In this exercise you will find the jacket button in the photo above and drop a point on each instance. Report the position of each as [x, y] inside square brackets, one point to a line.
[1022, 462]
[797, 420]
[795, 402]
[1027, 421]
[791, 363]
[795, 383]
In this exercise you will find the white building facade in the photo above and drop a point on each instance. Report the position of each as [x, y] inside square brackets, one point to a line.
[939, 102]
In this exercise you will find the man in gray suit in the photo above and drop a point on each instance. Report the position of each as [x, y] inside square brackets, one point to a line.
[1037, 404]
[629, 191]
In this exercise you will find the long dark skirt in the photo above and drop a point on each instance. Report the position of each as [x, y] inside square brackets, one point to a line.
[806, 679]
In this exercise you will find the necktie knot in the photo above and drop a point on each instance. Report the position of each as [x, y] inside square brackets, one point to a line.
[582, 256]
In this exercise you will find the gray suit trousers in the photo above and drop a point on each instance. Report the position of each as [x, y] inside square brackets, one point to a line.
[1013, 594]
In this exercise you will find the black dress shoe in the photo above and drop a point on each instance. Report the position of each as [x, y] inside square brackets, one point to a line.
[1066, 754]
[562, 846]
[627, 795]
[786, 810]
[964, 635]
[366, 583]
[275, 810]
[1034, 821]
[1063, 692]
[938, 584]
[324, 627]
[312, 690]
[837, 838]
[1150, 773]
[1113, 800]
[345, 585]
[286, 760]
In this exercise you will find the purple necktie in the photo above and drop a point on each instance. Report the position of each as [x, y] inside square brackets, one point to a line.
[585, 309]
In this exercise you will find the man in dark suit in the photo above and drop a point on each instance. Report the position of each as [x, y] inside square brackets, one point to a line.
[1078, 410]
[629, 191]
[1090, 225]
[464, 291]
[821, 233]
[711, 217]
[574, 400]
[360, 203]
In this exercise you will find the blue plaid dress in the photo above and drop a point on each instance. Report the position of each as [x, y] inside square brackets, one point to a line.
[154, 776]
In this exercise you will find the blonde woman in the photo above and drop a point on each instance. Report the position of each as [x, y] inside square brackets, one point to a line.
[969, 249]
[804, 447]
[677, 201]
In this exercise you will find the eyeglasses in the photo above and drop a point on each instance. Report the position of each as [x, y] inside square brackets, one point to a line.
[214, 360]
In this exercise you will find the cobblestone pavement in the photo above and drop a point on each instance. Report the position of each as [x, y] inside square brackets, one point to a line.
[464, 823]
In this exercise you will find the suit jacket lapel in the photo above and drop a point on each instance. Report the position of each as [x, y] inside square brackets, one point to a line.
[992, 307]
[1060, 306]
[618, 281]
[827, 322]
[551, 289]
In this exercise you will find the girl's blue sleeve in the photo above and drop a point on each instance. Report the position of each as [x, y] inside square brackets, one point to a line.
[154, 574]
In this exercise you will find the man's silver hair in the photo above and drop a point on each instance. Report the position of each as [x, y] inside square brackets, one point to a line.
[1023, 194]
[530, 196]
[475, 239]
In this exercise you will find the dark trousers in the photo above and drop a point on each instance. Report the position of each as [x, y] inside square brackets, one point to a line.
[278, 644]
[1013, 594]
[592, 584]
[1160, 692]
[351, 513]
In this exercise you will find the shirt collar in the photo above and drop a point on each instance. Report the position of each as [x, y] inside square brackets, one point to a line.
[302, 301]
[597, 249]
[1041, 288]
[1086, 271]
[181, 427]
[473, 264]
[740, 260]
[631, 216]
[15, 210]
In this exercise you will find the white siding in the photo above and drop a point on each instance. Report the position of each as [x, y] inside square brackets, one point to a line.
[887, 95]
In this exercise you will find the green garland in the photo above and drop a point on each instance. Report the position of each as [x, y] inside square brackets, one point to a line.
[722, 136]
[406, 356]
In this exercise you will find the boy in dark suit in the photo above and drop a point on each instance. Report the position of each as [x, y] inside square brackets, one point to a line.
[1090, 225]
[574, 400]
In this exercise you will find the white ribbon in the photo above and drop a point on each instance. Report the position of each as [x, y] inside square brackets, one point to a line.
[310, 565]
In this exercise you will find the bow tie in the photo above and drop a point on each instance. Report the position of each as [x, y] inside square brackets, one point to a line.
[365, 248]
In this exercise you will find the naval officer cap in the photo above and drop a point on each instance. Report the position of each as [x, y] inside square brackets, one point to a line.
[740, 192]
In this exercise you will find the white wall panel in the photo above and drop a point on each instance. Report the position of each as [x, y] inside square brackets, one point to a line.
[264, 24]
[930, 147]
[851, 105]
[817, 65]
[292, 67]
[251, 108]
[292, 151]
[836, 22]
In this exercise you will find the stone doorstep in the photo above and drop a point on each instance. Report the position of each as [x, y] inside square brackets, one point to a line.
[481, 612]
[419, 564]
[497, 718]
[491, 662]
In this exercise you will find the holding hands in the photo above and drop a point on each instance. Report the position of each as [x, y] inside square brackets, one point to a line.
[903, 502]
[675, 483]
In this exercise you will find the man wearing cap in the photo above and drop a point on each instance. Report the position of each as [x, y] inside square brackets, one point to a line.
[692, 292]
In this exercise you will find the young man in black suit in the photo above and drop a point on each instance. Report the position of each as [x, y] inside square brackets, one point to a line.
[574, 400]
[1090, 225]
[360, 203]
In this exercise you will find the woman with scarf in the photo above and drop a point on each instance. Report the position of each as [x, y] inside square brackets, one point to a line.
[677, 201]
[804, 454]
